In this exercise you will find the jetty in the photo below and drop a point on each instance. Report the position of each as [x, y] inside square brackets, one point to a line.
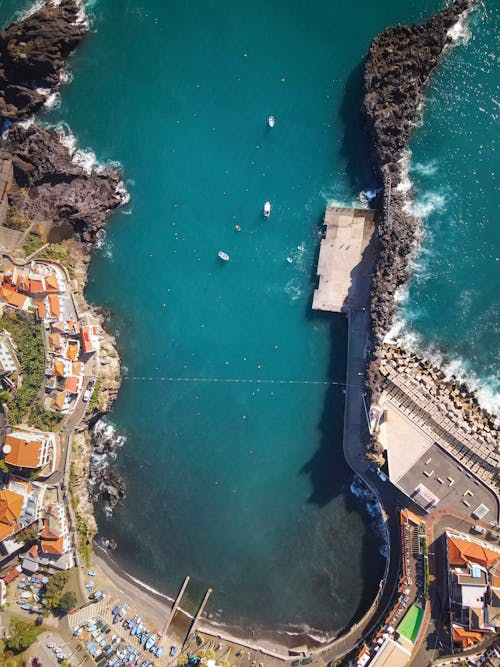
[198, 615]
[346, 260]
[175, 606]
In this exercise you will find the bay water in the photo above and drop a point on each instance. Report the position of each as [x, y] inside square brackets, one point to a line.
[238, 482]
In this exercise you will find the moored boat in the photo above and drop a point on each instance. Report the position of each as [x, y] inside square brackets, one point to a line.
[271, 121]
[223, 255]
[267, 209]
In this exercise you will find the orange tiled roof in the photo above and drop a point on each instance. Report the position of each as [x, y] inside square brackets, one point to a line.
[54, 305]
[6, 530]
[13, 298]
[55, 340]
[462, 552]
[33, 552]
[59, 368]
[36, 286]
[464, 636]
[72, 385]
[51, 283]
[58, 326]
[77, 368]
[53, 546]
[48, 533]
[58, 401]
[11, 505]
[23, 453]
[41, 310]
[410, 516]
[72, 352]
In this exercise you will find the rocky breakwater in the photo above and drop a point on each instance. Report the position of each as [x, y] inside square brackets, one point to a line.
[398, 67]
[397, 70]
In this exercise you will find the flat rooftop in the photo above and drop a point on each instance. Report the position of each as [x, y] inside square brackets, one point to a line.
[346, 260]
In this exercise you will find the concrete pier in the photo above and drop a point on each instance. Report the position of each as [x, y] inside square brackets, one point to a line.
[196, 619]
[345, 256]
[175, 606]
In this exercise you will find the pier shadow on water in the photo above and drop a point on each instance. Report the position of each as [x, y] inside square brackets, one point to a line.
[356, 143]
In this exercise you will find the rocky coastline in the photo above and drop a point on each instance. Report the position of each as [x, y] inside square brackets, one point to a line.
[52, 184]
[397, 70]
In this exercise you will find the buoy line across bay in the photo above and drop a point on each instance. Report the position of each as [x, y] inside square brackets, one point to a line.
[238, 380]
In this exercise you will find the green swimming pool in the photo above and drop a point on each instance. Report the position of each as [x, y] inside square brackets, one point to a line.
[410, 625]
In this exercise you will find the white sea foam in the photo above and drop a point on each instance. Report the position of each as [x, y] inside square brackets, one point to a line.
[485, 388]
[105, 433]
[292, 289]
[53, 101]
[425, 204]
[459, 33]
[424, 168]
[85, 158]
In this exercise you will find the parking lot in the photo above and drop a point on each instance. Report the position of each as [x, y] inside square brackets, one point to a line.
[109, 642]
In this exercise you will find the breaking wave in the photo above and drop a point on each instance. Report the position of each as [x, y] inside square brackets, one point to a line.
[87, 160]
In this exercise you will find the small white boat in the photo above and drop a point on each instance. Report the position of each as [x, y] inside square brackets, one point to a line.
[267, 209]
[289, 260]
[271, 121]
[223, 255]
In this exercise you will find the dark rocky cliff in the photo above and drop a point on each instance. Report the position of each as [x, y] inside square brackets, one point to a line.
[397, 70]
[32, 54]
[52, 185]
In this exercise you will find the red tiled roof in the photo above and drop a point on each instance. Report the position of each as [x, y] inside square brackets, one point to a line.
[36, 286]
[53, 546]
[462, 552]
[72, 385]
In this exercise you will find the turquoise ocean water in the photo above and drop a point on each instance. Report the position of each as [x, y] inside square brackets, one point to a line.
[241, 485]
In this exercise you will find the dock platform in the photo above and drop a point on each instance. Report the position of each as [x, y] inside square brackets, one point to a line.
[345, 260]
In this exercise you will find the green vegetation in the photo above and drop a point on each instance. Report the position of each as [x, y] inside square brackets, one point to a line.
[15, 221]
[57, 252]
[33, 242]
[4, 396]
[43, 419]
[28, 534]
[52, 591]
[22, 635]
[27, 336]
[95, 398]
[84, 538]
[67, 602]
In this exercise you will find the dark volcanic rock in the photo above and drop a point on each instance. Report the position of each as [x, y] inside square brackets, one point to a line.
[59, 189]
[32, 55]
[399, 64]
